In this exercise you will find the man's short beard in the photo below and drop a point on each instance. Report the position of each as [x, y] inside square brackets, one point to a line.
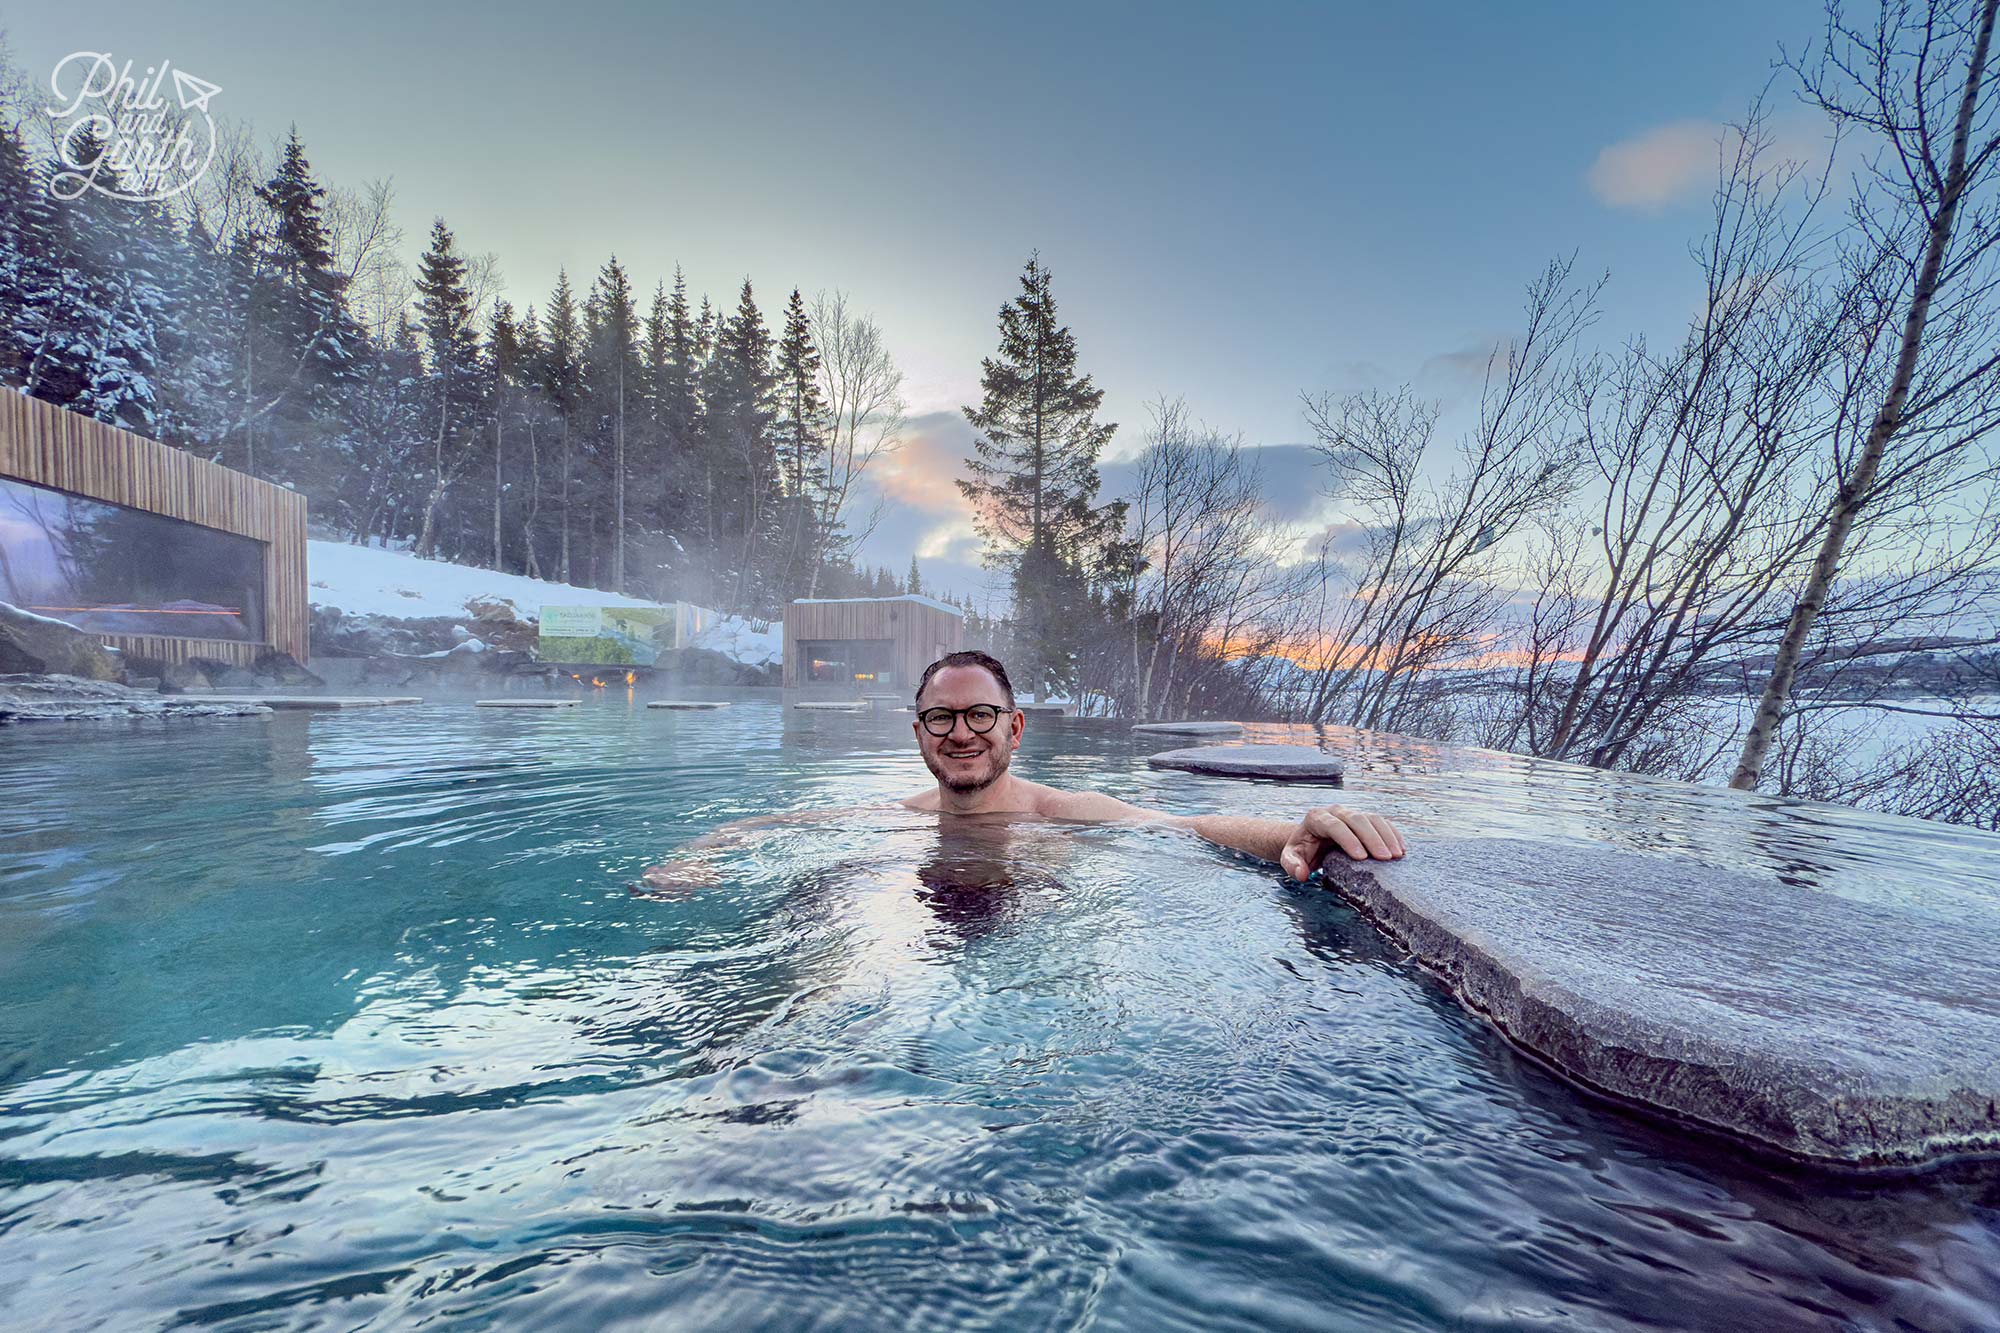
[961, 785]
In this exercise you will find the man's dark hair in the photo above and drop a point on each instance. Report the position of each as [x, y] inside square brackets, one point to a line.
[971, 657]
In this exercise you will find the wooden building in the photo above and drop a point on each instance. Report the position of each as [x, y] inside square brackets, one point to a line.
[159, 553]
[866, 645]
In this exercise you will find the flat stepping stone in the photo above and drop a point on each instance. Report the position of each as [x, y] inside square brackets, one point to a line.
[1293, 763]
[524, 703]
[831, 707]
[1190, 728]
[685, 705]
[39, 698]
[312, 702]
[1053, 710]
[1821, 1025]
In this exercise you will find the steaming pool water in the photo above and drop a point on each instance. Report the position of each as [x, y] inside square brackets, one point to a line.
[351, 1021]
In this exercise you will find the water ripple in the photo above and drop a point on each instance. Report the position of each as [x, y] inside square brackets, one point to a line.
[351, 1021]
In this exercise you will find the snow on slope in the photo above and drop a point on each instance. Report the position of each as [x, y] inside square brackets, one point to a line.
[741, 641]
[370, 581]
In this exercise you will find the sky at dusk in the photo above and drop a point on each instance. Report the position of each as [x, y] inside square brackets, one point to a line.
[1238, 203]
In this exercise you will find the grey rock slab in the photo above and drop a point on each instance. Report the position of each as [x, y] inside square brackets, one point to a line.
[59, 698]
[1294, 763]
[1816, 1024]
[686, 705]
[524, 703]
[1190, 728]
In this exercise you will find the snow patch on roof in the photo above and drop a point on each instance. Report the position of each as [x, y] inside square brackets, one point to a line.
[916, 597]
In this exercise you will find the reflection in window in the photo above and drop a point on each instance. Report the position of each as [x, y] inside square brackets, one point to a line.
[868, 662]
[112, 570]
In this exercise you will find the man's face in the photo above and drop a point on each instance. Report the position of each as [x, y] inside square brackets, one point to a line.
[965, 760]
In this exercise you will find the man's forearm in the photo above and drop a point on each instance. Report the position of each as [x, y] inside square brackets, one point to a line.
[1261, 838]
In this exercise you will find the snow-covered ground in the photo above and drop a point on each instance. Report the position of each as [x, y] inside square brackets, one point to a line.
[371, 581]
[740, 640]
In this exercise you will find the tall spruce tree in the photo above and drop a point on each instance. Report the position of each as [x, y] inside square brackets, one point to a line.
[455, 378]
[309, 296]
[615, 378]
[302, 342]
[798, 441]
[198, 393]
[505, 373]
[533, 417]
[655, 354]
[800, 421]
[703, 456]
[562, 387]
[739, 408]
[677, 408]
[388, 411]
[1033, 478]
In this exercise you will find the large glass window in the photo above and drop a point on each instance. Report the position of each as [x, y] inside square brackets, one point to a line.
[867, 662]
[112, 570]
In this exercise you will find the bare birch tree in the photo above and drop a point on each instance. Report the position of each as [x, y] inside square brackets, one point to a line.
[863, 391]
[1697, 506]
[1423, 591]
[1205, 584]
[1925, 230]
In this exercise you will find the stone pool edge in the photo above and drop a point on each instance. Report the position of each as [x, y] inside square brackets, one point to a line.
[1831, 1135]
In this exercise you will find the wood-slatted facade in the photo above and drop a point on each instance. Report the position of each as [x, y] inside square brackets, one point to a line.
[918, 630]
[46, 445]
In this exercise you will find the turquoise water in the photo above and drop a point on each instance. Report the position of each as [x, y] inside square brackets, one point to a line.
[351, 1021]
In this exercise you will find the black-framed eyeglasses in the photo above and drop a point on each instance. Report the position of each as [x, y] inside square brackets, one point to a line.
[980, 718]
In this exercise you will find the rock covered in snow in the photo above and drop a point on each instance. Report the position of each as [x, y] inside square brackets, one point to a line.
[32, 644]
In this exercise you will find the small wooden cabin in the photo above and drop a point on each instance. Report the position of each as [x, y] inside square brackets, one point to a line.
[855, 646]
[157, 552]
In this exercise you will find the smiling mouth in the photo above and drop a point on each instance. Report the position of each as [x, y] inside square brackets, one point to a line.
[961, 754]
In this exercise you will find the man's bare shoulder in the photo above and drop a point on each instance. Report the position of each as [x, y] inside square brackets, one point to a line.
[1022, 797]
[1092, 806]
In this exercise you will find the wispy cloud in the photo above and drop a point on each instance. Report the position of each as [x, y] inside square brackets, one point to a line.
[1662, 166]
[923, 472]
[1458, 374]
[955, 539]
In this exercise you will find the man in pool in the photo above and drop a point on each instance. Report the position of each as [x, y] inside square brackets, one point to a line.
[967, 730]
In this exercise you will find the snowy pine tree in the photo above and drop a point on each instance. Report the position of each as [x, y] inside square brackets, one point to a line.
[92, 301]
[300, 343]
